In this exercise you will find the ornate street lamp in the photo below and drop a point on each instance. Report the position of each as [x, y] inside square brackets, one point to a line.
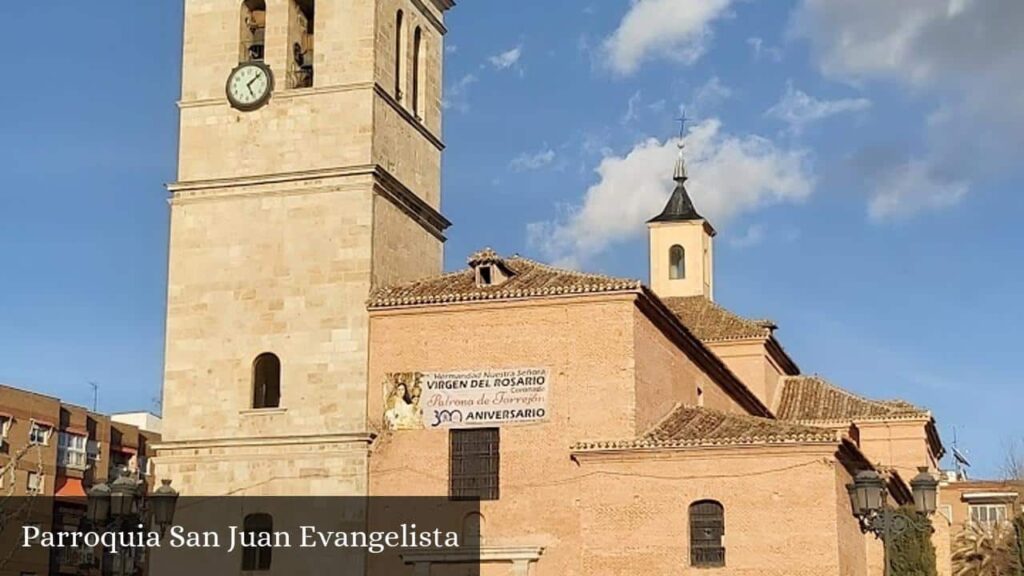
[98, 504]
[926, 491]
[870, 501]
[163, 501]
[125, 501]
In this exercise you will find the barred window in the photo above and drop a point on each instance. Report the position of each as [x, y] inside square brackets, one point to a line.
[707, 528]
[474, 462]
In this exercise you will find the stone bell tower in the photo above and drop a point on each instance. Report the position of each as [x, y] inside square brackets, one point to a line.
[309, 172]
[681, 245]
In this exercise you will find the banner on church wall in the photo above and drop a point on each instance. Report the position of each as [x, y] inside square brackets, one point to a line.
[471, 399]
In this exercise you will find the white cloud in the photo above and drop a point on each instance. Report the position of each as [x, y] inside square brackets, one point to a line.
[674, 29]
[761, 50]
[506, 59]
[731, 175]
[457, 95]
[533, 161]
[707, 97]
[754, 235]
[965, 54]
[912, 188]
[798, 109]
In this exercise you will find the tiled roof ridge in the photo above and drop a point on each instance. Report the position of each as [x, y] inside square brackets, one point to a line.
[444, 288]
[886, 409]
[656, 437]
[570, 272]
[746, 328]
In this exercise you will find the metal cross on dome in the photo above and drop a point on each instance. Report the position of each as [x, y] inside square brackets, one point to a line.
[682, 128]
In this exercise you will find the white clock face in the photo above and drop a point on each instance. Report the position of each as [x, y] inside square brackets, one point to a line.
[249, 86]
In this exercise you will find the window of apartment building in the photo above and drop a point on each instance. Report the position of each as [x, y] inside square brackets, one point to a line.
[707, 530]
[39, 433]
[71, 450]
[257, 558]
[988, 514]
[5, 426]
[474, 464]
[35, 482]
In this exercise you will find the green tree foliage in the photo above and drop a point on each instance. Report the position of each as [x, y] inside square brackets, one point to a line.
[912, 552]
[989, 551]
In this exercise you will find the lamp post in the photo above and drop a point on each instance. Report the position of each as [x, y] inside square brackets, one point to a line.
[870, 500]
[125, 501]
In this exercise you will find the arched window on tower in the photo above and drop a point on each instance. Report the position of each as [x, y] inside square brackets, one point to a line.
[676, 263]
[473, 529]
[301, 26]
[266, 381]
[707, 529]
[257, 527]
[253, 31]
[400, 41]
[417, 73]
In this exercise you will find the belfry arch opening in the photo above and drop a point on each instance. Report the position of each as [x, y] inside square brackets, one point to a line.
[253, 33]
[301, 30]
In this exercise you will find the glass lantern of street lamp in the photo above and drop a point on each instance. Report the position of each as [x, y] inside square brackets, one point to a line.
[163, 501]
[926, 489]
[97, 508]
[866, 493]
[123, 494]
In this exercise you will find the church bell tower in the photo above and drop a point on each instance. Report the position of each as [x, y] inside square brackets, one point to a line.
[309, 172]
[681, 245]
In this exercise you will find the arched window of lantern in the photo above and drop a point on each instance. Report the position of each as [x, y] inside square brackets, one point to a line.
[676, 263]
[266, 381]
[400, 55]
[417, 73]
[257, 558]
[253, 31]
[707, 533]
[301, 28]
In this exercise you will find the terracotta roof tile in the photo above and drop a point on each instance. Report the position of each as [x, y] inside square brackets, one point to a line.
[711, 322]
[812, 399]
[528, 279]
[691, 426]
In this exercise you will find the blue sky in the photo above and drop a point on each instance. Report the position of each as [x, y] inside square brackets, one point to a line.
[864, 189]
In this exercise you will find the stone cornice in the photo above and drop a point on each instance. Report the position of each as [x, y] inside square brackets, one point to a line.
[311, 439]
[484, 554]
[441, 6]
[413, 121]
[412, 205]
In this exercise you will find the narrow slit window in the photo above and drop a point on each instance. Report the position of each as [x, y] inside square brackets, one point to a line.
[417, 73]
[400, 41]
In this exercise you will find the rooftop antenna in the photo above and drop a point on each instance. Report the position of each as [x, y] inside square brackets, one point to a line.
[95, 395]
[960, 461]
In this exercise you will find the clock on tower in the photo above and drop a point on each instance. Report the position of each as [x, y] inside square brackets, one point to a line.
[309, 172]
